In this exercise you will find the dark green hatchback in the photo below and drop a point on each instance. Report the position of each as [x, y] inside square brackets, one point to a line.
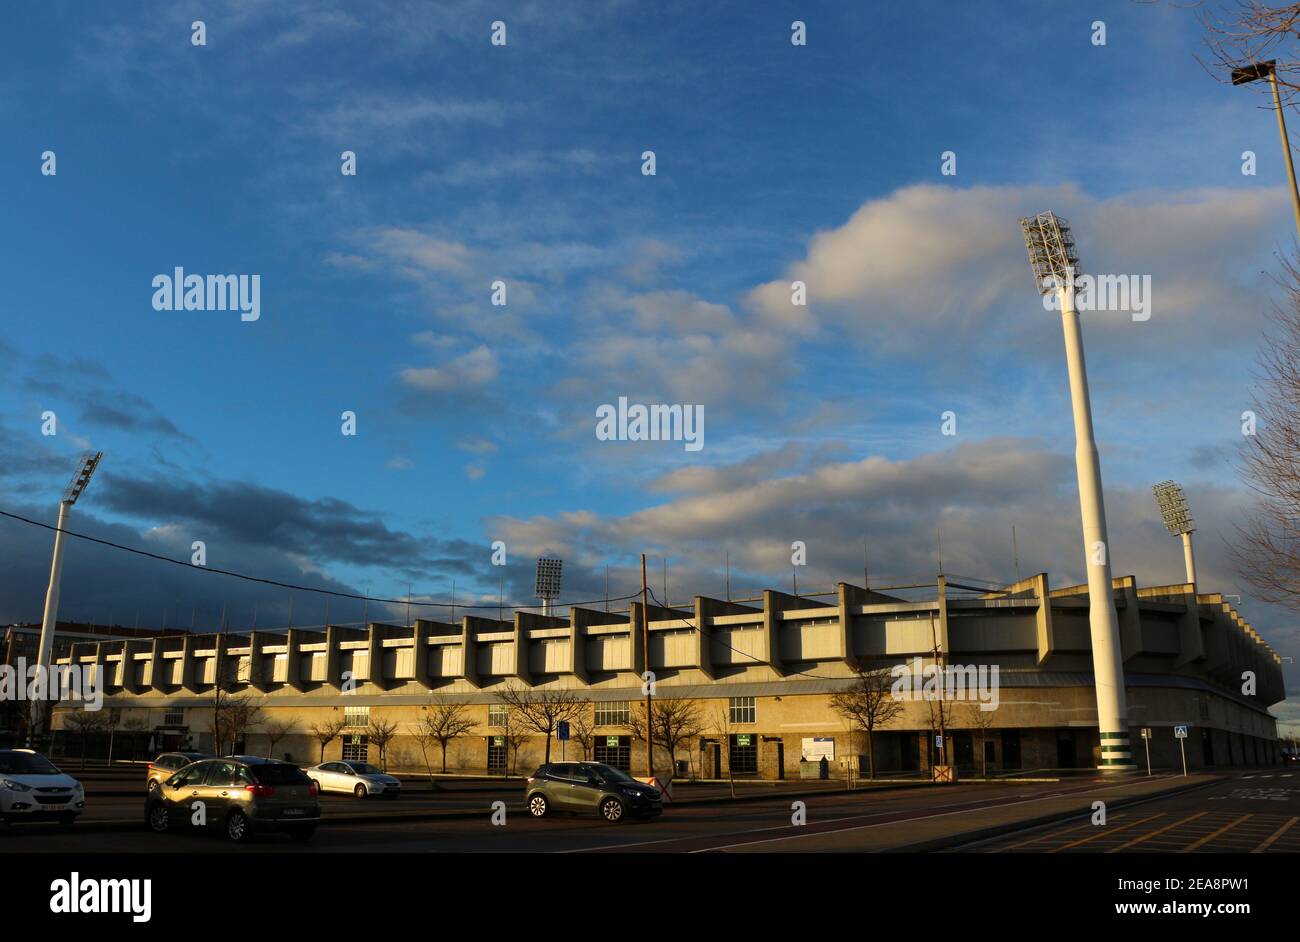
[590, 788]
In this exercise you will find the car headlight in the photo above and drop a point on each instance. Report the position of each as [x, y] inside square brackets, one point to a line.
[15, 786]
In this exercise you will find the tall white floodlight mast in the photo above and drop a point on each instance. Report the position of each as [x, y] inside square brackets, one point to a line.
[1056, 266]
[549, 571]
[1178, 521]
[44, 655]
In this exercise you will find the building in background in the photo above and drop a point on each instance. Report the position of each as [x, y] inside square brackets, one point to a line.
[761, 674]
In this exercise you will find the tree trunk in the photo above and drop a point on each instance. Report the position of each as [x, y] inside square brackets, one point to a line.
[871, 758]
[444, 758]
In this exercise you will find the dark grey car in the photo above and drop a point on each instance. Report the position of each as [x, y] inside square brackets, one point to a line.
[590, 788]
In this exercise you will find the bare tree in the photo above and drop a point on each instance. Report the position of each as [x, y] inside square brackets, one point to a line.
[583, 731]
[722, 728]
[327, 732]
[84, 723]
[516, 734]
[1267, 553]
[381, 732]
[444, 722]
[231, 718]
[868, 703]
[232, 713]
[981, 721]
[276, 730]
[672, 722]
[540, 710]
[1250, 32]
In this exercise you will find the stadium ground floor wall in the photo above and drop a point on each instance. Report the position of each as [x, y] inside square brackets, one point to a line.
[750, 737]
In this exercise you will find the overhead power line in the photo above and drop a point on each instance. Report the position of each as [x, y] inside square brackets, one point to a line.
[277, 583]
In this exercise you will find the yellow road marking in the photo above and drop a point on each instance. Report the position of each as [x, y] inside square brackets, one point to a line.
[1105, 832]
[1148, 836]
[1274, 836]
[1213, 834]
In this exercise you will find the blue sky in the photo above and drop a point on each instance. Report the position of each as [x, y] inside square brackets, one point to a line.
[523, 163]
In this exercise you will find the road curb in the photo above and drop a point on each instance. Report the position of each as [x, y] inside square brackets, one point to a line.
[955, 841]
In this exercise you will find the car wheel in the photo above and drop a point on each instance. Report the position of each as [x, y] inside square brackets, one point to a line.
[611, 809]
[238, 828]
[158, 818]
[153, 786]
[303, 834]
[359, 791]
[538, 806]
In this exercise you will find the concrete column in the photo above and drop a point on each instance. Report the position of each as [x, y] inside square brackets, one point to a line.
[257, 662]
[189, 682]
[333, 673]
[1043, 619]
[420, 653]
[375, 650]
[293, 678]
[1107, 663]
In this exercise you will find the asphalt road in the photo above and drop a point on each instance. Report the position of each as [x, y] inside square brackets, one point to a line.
[833, 821]
[1253, 812]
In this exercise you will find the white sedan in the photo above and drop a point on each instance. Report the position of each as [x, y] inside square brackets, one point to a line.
[356, 778]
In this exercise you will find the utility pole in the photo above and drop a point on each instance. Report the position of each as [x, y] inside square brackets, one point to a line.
[645, 663]
[943, 689]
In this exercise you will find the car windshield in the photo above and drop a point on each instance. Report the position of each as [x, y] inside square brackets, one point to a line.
[611, 774]
[364, 768]
[280, 774]
[26, 763]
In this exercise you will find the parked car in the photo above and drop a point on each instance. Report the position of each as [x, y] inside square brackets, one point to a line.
[168, 764]
[32, 788]
[357, 778]
[239, 797]
[590, 787]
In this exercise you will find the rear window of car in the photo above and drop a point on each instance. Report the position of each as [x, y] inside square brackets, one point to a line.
[276, 774]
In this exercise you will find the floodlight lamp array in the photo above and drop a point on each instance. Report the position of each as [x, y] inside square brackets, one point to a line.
[85, 469]
[1173, 508]
[1052, 254]
[549, 572]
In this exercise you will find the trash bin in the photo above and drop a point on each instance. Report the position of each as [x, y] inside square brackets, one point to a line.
[816, 770]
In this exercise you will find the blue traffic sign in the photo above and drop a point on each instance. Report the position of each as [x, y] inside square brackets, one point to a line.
[1180, 732]
[562, 730]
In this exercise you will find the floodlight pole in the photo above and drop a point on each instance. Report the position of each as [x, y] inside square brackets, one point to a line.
[1189, 560]
[1107, 661]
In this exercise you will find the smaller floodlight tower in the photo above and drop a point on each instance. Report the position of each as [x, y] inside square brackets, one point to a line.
[549, 571]
[1056, 266]
[45, 653]
[1178, 521]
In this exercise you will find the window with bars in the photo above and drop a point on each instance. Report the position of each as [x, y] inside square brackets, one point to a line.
[354, 716]
[173, 717]
[356, 748]
[613, 713]
[498, 715]
[615, 751]
[742, 710]
[744, 753]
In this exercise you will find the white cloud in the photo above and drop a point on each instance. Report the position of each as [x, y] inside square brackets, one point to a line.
[469, 371]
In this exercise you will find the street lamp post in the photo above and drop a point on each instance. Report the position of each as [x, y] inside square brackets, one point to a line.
[1056, 264]
[49, 621]
[1268, 70]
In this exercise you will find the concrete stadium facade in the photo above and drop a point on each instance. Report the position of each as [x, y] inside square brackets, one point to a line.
[762, 672]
